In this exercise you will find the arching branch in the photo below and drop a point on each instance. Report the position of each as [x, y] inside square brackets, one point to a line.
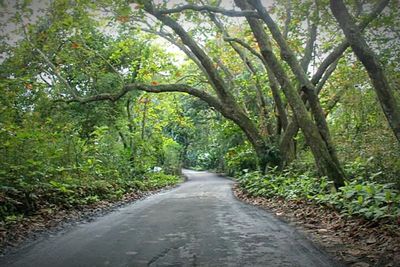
[338, 51]
[162, 88]
[207, 8]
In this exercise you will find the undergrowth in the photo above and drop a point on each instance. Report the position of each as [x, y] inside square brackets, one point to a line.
[20, 199]
[358, 197]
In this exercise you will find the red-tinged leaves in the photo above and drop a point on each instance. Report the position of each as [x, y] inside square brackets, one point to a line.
[123, 19]
[75, 45]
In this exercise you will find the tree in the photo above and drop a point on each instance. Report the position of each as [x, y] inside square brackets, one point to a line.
[318, 136]
[225, 90]
[369, 59]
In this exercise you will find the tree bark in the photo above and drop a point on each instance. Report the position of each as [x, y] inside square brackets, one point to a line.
[228, 106]
[369, 59]
[326, 165]
[329, 64]
[309, 89]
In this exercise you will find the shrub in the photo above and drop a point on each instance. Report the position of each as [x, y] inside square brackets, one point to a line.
[240, 158]
[368, 199]
[22, 198]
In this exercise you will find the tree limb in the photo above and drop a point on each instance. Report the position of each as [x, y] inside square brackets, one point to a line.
[183, 88]
[312, 37]
[370, 60]
[245, 45]
[341, 48]
[208, 8]
[288, 18]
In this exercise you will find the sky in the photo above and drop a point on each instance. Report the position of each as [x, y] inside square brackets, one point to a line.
[8, 10]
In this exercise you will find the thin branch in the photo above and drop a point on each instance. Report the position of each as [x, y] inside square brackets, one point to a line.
[288, 18]
[188, 76]
[207, 8]
[169, 37]
[326, 76]
[245, 45]
[312, 37]
[50, 64]
[103, 58]
[341, 48]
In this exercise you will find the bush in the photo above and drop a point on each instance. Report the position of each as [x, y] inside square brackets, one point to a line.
[21, 199]
[363, 198]
[240, 158]
[368, 199]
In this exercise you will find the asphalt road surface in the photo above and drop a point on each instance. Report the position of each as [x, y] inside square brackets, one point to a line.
[199, 223]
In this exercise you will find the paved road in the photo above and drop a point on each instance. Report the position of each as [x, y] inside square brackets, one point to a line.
[199, 223]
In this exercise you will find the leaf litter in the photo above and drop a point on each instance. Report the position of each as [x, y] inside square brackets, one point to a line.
[353, 241]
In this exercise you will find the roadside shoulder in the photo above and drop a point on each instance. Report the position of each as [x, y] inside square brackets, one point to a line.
[354, 241]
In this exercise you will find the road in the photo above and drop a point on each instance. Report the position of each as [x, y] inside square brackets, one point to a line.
[199, 223]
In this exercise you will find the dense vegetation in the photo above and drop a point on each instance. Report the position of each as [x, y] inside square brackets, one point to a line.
[360, 197]
[299, 98]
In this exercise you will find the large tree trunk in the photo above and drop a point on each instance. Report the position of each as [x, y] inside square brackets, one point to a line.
[326, 164]
[329, 64]
[306, 85]
[364, 53]
[287, 146]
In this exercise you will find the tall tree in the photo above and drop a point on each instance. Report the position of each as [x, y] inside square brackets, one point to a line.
[371, 63]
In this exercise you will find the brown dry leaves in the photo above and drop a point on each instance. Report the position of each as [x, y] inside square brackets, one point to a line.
[354, 241]
[55, 218]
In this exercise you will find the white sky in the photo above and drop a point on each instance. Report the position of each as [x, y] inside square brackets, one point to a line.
[8, 10]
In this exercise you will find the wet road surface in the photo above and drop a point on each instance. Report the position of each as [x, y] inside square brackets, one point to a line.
[199, 223]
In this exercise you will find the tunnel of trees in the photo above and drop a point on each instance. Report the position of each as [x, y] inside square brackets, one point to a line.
[98, 96]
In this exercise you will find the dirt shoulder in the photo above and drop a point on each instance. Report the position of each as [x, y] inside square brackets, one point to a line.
[354, 241]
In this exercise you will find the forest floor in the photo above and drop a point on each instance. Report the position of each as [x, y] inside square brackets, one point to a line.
[354, 241]
[51, 220]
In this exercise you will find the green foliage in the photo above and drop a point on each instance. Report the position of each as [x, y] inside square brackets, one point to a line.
[66, 155]
[360, 198]
[159, 180]
[172, 156]
[240, 159]
[21, 198]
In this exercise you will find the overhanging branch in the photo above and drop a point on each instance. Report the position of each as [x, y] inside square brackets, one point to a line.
[207, 8]
[245, 45]
[163, 88]
[341, 48]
